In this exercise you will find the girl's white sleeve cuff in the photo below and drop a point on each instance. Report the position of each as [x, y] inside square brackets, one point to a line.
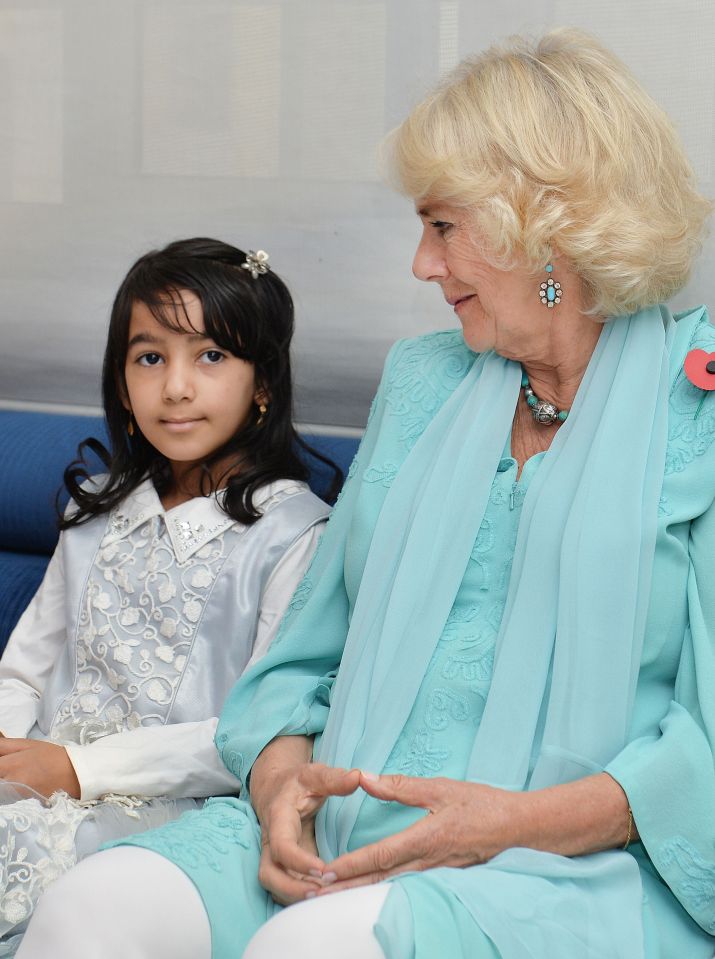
[174, 761]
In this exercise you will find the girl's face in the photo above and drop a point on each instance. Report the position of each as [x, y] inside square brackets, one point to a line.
[187, 395]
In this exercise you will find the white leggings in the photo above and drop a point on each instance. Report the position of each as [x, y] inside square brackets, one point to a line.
[131, 903]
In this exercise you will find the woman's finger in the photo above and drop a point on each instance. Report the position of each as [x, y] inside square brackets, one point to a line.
[397, 853]
[370, 879]
[285, 887]
[408, 790]
[323, 781]
[284, 831]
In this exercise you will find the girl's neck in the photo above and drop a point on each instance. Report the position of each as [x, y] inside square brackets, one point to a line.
[175, 498]
[190, 481]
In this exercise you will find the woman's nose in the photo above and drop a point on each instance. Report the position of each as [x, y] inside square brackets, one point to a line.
[429, 263]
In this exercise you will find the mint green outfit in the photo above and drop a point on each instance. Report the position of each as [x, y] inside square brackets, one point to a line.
[517, 633]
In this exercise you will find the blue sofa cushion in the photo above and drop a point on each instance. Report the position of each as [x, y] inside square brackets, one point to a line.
[20, 575]
[38, 448]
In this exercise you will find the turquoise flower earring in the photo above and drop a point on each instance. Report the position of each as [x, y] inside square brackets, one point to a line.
[550, 292]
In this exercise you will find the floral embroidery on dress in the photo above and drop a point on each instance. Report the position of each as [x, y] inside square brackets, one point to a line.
[37, 847]
[202, 837]
[439, 731]
[139, 615]
[385, 475]
[233, 761]
[468, 646]
[473, 661]
[445, 706]
[300, 596]
[459, 616]
[421, 757]
[232, 758]
[664, 508]
[425, 372]
[696, 886]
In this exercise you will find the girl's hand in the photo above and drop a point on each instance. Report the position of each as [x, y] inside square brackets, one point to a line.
[469, 823]
[290, 867]
[45, 767]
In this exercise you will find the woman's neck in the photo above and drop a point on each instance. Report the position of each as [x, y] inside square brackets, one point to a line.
[555, 367]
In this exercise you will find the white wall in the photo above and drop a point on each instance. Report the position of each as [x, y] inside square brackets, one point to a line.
[127, 123]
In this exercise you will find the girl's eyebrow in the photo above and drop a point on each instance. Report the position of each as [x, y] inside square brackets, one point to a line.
[156, 340]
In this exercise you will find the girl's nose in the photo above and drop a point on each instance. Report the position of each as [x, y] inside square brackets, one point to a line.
[178, 382]
[429, 262]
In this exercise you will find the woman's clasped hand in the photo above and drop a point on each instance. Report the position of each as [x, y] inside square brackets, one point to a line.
[464, 824]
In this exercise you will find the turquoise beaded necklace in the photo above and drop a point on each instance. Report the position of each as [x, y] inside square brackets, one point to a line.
[542, 411]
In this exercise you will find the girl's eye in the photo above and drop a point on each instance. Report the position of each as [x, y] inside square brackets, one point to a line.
[212, 356]
[441, 226]
[149, 359]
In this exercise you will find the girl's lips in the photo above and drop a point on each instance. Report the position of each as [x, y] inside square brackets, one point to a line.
[180, 426]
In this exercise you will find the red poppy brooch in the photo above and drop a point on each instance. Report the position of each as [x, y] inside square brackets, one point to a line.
[699, 368]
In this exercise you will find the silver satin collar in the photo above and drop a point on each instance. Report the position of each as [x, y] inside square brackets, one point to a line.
[190, 525]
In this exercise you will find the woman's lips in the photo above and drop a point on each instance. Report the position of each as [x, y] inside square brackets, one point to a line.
[461, 300]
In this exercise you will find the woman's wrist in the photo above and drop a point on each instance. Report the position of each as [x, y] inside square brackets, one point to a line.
[273, 766]
[577, 818]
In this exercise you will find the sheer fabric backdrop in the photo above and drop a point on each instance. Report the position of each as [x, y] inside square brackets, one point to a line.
[127, 123]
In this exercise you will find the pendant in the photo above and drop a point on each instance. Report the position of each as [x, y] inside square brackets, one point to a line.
[545, 413]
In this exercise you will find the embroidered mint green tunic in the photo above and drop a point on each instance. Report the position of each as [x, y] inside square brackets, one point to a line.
[530, 903]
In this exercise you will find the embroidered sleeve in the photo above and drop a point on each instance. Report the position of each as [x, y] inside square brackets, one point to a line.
[670, 778]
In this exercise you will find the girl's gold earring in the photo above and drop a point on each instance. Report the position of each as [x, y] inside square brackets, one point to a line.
[130, 426]
[262, 409]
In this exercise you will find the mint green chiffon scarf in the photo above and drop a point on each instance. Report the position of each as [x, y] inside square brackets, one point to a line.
[568, 651]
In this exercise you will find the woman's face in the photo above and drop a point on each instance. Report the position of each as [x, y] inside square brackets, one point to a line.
[498, 309]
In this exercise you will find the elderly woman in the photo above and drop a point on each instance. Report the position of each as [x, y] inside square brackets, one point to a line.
[502, 660]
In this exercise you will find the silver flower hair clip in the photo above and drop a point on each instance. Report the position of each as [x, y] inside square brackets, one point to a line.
[256, 262]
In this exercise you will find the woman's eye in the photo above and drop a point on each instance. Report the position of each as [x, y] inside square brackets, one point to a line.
[212, 356]
[441, 226]
[149, 359]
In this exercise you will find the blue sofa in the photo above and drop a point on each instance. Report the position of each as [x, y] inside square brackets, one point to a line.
[38, 447]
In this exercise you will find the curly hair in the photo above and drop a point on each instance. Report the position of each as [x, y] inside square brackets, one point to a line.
[554, 146]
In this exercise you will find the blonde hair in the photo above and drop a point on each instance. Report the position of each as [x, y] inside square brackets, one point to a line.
[556, 147]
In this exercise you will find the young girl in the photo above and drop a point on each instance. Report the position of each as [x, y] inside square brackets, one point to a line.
[173, 570]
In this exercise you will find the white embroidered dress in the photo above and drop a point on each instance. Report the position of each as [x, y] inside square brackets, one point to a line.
[125, 655]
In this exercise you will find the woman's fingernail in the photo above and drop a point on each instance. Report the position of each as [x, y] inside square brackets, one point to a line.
[315, 873]
[310, 895]
[371, 777]
[329, 877]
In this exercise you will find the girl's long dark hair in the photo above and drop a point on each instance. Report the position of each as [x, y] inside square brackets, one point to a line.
[253, 320]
